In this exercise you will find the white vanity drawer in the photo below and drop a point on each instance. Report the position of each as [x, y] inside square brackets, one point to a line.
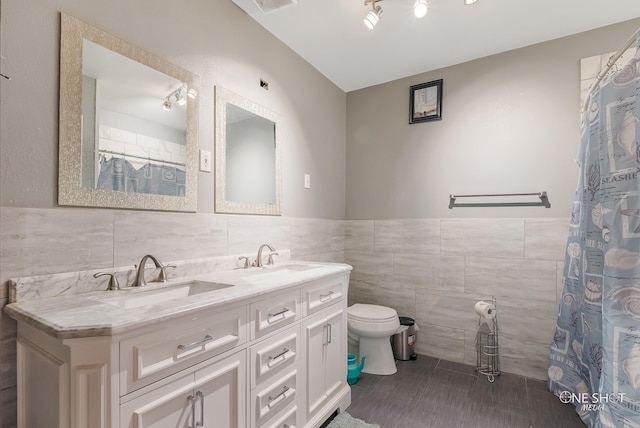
[323, 294]
[271, 314]
[179, 344]
[274, 355]
[287, 420]
[273, 398]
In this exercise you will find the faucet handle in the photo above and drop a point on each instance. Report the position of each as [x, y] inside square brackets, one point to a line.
[246, 262]
[162, 276]
[113, 281]
[271, 254]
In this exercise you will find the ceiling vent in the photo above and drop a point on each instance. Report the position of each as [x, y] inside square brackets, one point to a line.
[271, 5]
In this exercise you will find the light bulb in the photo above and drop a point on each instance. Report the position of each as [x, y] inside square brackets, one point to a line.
[420, 8]
[373, 16]
[192, 93]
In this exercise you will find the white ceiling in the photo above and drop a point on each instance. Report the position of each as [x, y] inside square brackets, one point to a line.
[331, 36]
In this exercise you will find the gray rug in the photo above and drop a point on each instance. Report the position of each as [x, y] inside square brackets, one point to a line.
[345, 420]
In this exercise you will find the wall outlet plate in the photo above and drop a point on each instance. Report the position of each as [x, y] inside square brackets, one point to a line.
[205, 161]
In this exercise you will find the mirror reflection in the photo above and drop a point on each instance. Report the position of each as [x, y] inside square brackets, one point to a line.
[134, 125]
[251, 157]
[247, 156]
[135, 146]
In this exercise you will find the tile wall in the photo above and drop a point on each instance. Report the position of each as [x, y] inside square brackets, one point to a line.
[435, 270]
[49, 241]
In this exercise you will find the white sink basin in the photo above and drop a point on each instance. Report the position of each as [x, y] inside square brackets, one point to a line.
[162, 295]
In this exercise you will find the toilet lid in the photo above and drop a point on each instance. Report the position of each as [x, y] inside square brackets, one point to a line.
[360, 311]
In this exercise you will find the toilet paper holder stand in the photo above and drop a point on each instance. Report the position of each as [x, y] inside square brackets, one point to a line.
[487, 346]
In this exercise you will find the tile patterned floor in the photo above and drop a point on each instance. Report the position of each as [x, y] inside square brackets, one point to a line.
[433, 393]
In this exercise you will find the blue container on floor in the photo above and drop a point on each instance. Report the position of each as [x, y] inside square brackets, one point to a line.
[353, 369]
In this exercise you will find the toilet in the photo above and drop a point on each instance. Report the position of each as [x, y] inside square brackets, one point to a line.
[370, 328]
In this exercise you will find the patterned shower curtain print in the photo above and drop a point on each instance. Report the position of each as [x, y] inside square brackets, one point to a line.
[595, 354]
[120, 175]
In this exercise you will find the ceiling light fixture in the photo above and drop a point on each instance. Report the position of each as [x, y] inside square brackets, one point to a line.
[470, 2]
[373, 16]
[180, 99]
[420, 8]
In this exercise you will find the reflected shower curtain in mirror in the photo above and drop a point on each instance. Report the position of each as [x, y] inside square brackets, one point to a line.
[595, 355]
[120, 175]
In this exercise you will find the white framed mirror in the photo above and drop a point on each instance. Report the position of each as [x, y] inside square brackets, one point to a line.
[248, 156]
[128, 125]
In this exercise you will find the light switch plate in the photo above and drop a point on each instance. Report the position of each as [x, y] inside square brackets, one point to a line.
[307, 181]
[205, 161]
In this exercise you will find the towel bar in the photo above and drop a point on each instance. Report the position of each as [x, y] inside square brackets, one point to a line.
[544, 200]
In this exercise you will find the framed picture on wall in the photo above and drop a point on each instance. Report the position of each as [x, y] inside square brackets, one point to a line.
[425, 102]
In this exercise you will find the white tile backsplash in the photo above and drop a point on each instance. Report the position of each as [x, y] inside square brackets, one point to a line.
[446, 310]
[517, 278]
[316, 236]
[36, 241]
[407, 236]
[545, 239]
[168, 236]
[358, 235]
[424, 271]
[441, 342]
[242, 236]
[371, 268]
[496, 237]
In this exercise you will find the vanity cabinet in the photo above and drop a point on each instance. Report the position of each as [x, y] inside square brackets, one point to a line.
[325, 348]
[213, 396]
[272, 360]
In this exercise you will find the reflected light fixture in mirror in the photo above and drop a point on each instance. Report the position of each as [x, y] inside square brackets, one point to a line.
[248, 156]
[118, 148]
[420, 8]
[373, 16]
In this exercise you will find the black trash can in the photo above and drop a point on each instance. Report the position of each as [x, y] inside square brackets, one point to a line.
[403, 343]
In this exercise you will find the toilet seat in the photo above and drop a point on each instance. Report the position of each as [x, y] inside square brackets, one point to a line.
[371, 313]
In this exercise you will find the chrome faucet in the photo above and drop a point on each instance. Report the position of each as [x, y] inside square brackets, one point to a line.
[258, 261]
[139, 281]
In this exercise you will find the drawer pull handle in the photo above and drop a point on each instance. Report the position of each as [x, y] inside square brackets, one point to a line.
[206, 339]
[278, 314]
[192, 401]
[325, 297]
[278, 397]
[280, 355]
[200, 395]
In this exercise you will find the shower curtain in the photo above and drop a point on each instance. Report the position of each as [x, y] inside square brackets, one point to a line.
[594, 361]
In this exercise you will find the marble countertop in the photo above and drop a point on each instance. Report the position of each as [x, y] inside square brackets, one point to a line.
[86, 315]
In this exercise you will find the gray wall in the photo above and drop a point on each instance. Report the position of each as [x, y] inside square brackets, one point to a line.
[212, 38]
[510, 124]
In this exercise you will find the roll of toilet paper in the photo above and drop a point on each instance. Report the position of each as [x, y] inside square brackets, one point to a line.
[485, 309]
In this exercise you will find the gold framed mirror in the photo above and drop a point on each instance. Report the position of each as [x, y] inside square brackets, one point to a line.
[248, 156]
[128, 125]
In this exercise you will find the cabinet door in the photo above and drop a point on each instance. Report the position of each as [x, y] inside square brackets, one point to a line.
[315, 334]
[336, 353]
[221, 393]
[167, 406]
